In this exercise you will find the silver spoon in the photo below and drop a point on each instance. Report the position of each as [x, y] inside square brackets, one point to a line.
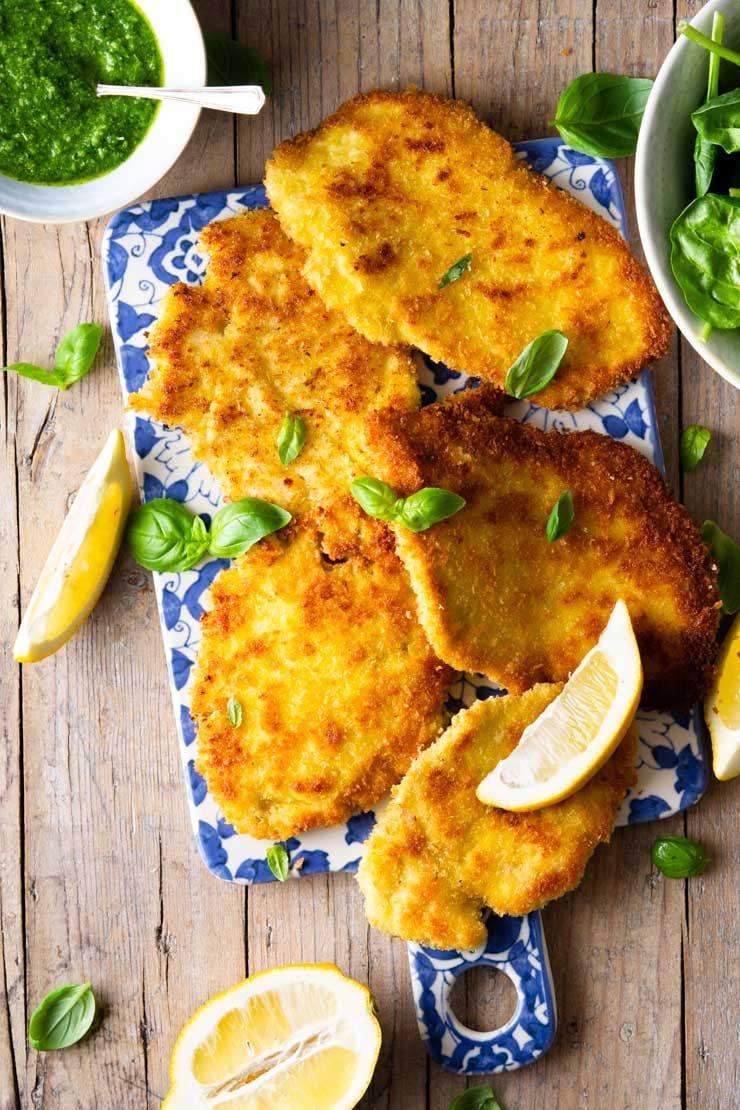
[245, 100]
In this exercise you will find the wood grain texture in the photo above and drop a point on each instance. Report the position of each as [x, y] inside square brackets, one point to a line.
[99, 875]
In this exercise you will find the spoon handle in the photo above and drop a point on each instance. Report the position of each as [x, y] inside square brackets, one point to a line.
[245, 100]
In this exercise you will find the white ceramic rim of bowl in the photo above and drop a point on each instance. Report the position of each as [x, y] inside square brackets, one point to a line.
[180, 40]
[659, 264]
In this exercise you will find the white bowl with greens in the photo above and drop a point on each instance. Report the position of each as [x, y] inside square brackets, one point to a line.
[692, 245]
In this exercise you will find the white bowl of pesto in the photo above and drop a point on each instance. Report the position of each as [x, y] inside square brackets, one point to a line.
[66, 155]
[664, 174]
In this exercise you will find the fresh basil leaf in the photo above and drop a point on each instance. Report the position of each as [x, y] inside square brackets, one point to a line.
[537, 365]
[376, 498]
[234, 711]
[677, 857]
[76, 353]
[600, 113]
[242, 524]
[685, 28]
[163, 535]
[694, 442]
[475, 1098]
[35, 373]
[234, 63]
[561, 517]
[456, 271]
[427, 507]
[278, 861]
[726, 554]
[718, 121]
[292, 436]
[705, 258]
[63, 1018]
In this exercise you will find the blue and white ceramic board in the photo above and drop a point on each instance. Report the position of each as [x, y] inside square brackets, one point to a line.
[146, 249]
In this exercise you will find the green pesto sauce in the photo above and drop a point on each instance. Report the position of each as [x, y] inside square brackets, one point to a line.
[54, 130]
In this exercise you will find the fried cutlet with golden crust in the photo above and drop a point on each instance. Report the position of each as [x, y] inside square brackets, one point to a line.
[394, 188]
[231, 357]
[437, 855]
[338, 685]
[494, 596]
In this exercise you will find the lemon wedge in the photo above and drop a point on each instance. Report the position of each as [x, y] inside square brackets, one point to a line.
[81, 559]
[300, 1037]
[722, 707]
[578, 731]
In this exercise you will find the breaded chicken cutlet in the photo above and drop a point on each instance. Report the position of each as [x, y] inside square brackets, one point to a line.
[437, 855]
[231, 357]
[495, 596]
[338, 685]
[392, 190]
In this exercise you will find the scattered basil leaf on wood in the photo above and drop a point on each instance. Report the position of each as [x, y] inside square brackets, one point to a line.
[600, 113]
[163, 535]
[74, 357]
[685, 28]
[291, 437]
[234, 63]
[456, 271]
[476, 1098]
[63, 1018]
[705, 257]
[561, 517]
[705, 153]
[417, 512]
[726, 554]
[718, 121]
[242, 524]
[278, 861]
[677, 857]
[234, 711]
[537, 365]
[694, 442]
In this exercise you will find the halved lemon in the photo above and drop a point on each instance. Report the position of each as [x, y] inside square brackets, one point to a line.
[722, 707]
[578, 731]
[81, 559]
[300, 1037]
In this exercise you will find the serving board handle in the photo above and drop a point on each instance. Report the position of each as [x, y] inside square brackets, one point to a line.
[514, 945]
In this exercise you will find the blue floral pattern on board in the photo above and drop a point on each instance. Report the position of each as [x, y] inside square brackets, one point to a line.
[147, 248]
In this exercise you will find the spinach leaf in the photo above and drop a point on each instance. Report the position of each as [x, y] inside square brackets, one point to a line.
[677, 857]
[74, 357]
[62, 1018]
[234, 63]
[291, 437]
[705, 258]
[163, 535]
[726, 554]
[561, 517]
[476, 1098]
[705, 153]
[456, 271]
[537, 365]
[718, 121]
[234, 711]
[242, 524]
[278, 861]
[417, 512]
[601, 113]
[694, 442]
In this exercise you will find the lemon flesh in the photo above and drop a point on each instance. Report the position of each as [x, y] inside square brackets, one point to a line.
[81, 558]
[575, 735]
[722, 707]
[303, 1037]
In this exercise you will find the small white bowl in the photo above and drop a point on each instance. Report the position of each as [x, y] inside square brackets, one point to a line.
[664, 175]
[183, 52]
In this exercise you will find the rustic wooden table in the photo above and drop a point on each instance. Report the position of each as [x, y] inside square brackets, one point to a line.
[100, 876]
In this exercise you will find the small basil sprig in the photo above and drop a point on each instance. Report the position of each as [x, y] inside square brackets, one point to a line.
[291, 437]
[677, 857]
[278, 861]
[561, 517]
[600, 113]
[694, 442]
[163, 535]
[456, 271]
[537, 365]
[476, 1098]
[726, 554]
[234, 63]
[62, 1018]
[234, 711]
[417, 512]
[74, 357]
